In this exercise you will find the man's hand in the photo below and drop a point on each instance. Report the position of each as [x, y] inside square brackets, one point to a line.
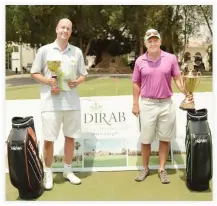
[54, 89]
[135, 110]
[189, 97]
[72, 83]
[52, 82]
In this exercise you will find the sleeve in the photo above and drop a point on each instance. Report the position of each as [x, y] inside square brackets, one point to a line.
[136, 77]
[38, 63]
[81, 66]
[175, 67]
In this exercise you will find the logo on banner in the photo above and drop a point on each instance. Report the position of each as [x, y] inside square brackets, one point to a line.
[98, 116]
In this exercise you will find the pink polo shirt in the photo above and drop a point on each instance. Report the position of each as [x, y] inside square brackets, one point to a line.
[155, 77]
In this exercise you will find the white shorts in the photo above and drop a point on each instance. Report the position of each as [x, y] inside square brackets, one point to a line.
[157, 119]
[53, 120]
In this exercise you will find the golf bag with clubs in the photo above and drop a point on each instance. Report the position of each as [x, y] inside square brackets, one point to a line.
[198, 144]
[25, 166]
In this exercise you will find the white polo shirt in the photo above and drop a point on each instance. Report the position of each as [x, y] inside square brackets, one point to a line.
[72, 66]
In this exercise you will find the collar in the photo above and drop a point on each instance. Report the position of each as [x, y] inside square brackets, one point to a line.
[55, 46]
[145, 56]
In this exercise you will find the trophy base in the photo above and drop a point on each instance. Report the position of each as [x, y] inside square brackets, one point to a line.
[187, 106]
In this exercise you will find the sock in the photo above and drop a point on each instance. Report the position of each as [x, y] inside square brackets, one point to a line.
[67, 167]
[47, 169]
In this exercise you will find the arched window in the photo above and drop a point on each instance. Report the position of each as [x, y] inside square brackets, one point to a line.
[197, 57]
[198, 61]
[187, 57]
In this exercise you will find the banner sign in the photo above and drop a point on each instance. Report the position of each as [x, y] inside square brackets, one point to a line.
[110, 133]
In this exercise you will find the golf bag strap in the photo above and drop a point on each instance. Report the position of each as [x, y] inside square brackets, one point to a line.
[22, 122]
[197, 115]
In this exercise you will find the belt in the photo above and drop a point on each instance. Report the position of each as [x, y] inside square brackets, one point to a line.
[156, 100]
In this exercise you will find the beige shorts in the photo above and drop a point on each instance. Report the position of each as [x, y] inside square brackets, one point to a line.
[52, 122]
[157, 120]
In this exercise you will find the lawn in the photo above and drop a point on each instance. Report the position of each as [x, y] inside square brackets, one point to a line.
[96, 87]
[118, 186]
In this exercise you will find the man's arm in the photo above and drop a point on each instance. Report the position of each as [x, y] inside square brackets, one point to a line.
[36, 69]
[44, 80]
[136, 92]
[136, 78]
[81, 70]
[80, 79]
[179, 85]
[40, 78]
[176, 74]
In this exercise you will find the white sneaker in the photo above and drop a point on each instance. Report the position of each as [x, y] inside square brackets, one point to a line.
[72, 178]
[48, 180]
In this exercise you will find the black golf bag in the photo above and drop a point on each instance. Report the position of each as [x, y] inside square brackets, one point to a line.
[25, 166]
[198, 144]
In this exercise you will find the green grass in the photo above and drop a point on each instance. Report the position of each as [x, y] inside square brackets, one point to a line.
[118, 186]
[106, 161]
[95, 87]
[24, 92]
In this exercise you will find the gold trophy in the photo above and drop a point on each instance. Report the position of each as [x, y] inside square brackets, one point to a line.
[54, 67]
[189, 82]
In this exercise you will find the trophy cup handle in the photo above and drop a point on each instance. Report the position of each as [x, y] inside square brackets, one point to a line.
[182, 79]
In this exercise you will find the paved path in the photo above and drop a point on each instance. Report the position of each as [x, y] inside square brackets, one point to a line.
[25, 79]
[19, 80]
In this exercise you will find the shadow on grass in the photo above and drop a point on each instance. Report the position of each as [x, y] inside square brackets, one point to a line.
[19, 199]
[59, 179]
[183, 178]
[33, 199]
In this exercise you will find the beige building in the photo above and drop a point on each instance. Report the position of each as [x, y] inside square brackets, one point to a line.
[197, 50]
[22, 56]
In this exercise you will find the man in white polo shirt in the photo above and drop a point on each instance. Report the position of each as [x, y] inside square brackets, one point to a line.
[60, 104]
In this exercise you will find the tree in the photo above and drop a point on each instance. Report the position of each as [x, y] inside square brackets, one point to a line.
[26, 24]
[209, 51]
[8, 51]
[108, 31]
[190, 24]
[207, 14]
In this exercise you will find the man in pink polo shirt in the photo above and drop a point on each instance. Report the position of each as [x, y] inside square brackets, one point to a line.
[152, 77]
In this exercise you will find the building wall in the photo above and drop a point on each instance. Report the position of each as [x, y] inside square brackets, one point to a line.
[28, 55]
[199, 49]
